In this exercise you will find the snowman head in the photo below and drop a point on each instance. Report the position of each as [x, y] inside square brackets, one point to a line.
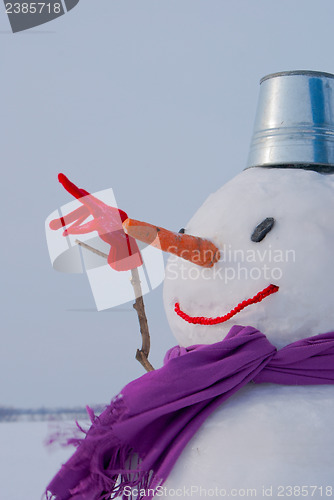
[272, 226]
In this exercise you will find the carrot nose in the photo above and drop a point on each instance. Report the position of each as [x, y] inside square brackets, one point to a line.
[197, 250]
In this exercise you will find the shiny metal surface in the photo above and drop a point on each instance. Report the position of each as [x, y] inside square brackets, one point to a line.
[294, 123]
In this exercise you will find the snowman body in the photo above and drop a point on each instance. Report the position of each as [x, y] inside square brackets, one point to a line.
[267, 440]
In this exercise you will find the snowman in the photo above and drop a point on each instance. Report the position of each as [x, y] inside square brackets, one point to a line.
[255, 258]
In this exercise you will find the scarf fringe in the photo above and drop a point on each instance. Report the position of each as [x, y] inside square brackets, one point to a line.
[111, 469]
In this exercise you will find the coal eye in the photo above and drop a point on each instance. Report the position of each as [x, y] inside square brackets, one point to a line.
[262, 229]
[182, 230]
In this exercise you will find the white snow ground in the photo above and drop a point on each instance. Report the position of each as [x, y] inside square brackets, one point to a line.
[26, 464]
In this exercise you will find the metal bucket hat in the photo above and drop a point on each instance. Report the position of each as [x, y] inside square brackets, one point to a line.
[294, 124]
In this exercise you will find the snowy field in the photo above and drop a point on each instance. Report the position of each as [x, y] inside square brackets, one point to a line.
[26, 464]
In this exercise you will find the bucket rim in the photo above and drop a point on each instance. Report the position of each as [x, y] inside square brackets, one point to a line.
[302, 72]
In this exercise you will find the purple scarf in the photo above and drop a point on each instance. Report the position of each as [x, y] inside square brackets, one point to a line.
[140, 435]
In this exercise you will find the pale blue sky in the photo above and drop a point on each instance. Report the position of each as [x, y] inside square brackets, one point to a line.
[155, 99]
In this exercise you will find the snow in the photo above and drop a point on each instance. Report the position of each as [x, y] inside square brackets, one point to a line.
[26, 464]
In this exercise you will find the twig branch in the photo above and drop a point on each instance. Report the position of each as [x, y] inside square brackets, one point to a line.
[143, 353]
[91, 249]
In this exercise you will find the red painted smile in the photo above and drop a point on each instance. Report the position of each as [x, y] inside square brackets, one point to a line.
[201, 320]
